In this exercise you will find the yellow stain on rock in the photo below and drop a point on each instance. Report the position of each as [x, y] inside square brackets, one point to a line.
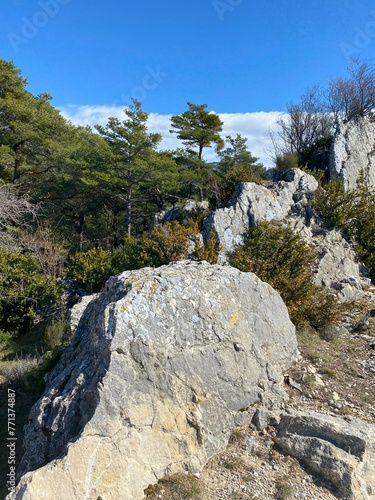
[234, 319]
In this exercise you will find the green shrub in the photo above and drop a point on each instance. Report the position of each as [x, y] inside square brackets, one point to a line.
[283, 490]
[210, 251]
[353, 212]
[224, 185]
[24, 289]
[168, 242]
[91, 268]
[54, 333]
[283, 259]
[243, 173]
[286, 161]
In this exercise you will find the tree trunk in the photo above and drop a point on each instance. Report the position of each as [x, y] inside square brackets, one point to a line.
[80, 229]
[17, 161]
[129, 212]
[17, 169]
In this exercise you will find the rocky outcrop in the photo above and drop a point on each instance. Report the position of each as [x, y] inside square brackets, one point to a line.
[75, 314]
[252, 203]
[190, 208]
[339, 450]
[164, 364]
[289, 202]
[353, 151]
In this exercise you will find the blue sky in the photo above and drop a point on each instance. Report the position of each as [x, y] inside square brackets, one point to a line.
[238, 56]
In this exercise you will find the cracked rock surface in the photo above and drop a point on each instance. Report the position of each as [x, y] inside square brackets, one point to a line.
[165, 363]
[353, 151]
[289, 202]
[339, 450]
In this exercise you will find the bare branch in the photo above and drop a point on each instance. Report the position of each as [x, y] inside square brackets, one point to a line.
[353, 97]
[14, 209]
[305, 124]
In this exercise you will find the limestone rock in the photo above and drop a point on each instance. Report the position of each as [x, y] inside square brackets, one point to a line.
[164, 364]
[252, 203]
[189, 209]
[353, 151]
[75, 313]
[289, 202]
[340, 450]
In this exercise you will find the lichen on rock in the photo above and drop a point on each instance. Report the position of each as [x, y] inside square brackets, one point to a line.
[164, 364]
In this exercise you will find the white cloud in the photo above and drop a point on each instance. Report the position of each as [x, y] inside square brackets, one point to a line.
[254, 126]
[90, 115]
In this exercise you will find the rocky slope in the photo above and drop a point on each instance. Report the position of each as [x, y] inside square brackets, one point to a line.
[289, 202]
[335, 378]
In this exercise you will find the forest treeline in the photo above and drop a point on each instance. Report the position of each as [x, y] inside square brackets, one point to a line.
[94, 187]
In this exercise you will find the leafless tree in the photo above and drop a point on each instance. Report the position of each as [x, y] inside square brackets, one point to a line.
[353, 97]
[14, 209]
[305, 123]
[14, 212]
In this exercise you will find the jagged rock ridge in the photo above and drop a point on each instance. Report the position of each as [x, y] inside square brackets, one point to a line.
[289, 201]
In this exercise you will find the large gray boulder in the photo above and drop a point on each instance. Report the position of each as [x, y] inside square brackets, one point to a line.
[289, 202]
[164, 364]
[340, 450]
[353, 151]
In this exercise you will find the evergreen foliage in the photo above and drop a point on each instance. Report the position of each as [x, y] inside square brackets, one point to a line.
[353, 212]
[283, 259]
[31, 130]
[168, 242]
[131, 146]
[199, 128]
[210, 251]
[24, 289]
[91, 268]
[236, 165]
[286, 161]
